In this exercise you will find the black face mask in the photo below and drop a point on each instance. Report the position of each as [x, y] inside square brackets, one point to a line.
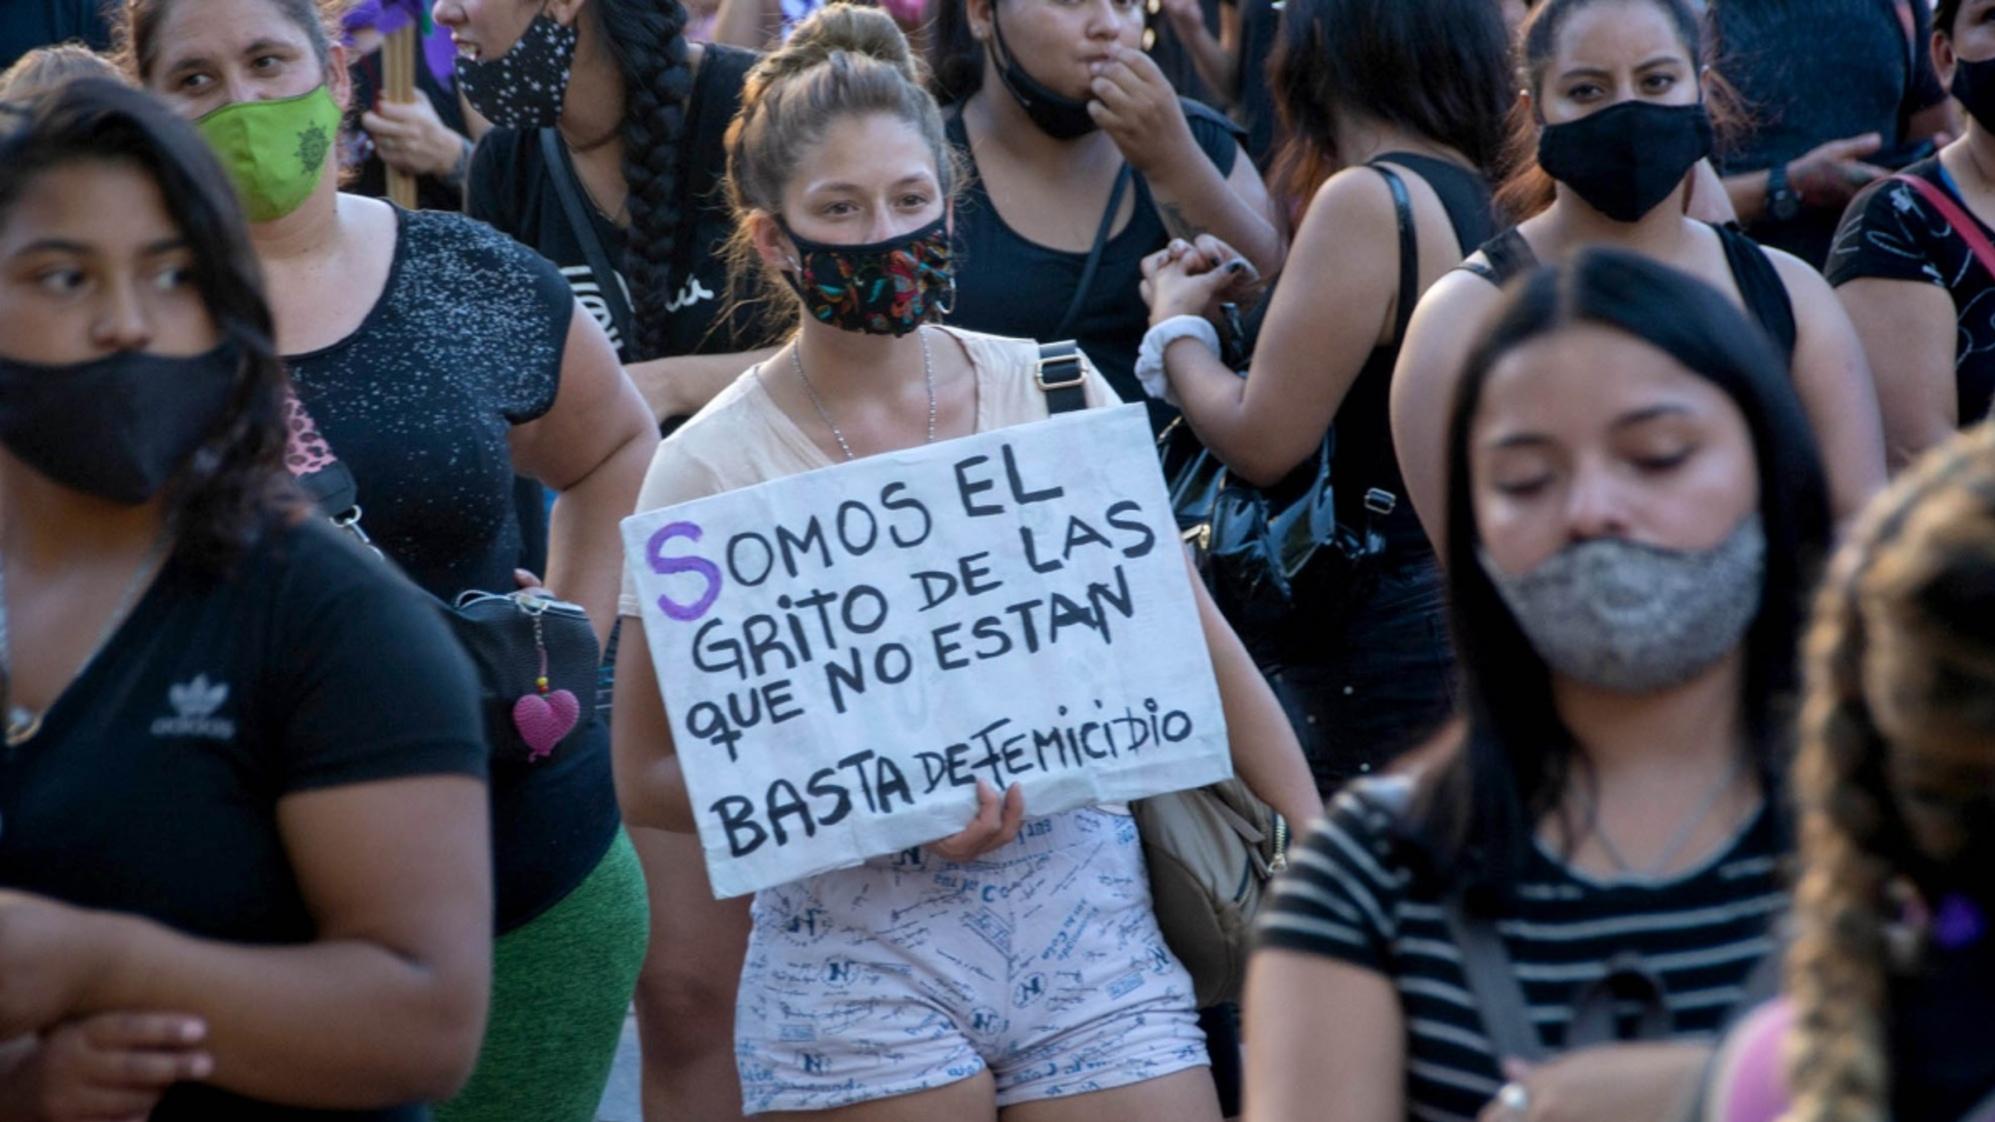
[1626, 158]
[117, 428]
[525, 87]
[1974, 88]
[1057, 115]
[886, 288]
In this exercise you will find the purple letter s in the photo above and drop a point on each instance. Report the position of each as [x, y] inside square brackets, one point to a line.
[666, 566]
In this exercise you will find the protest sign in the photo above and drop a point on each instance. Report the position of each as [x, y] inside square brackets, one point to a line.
[844, 653]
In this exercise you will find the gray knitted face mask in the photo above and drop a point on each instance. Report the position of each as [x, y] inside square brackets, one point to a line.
[1635, 618]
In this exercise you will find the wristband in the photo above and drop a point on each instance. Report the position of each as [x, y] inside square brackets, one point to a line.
[1150, 356]
[459, 170]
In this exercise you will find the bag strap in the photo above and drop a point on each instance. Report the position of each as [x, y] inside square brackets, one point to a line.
[321, 474]
[1956, 216]
[1409, 250]
[1121, 188]
[608, 281]
[1492, 981]
[1062, 377]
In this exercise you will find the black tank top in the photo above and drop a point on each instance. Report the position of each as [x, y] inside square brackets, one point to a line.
[1007, 284]
[1364, 458]
[1766, 299]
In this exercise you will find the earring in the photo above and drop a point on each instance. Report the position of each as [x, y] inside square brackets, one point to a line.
[947, 305]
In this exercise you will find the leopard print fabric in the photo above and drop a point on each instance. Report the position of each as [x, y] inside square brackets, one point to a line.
[305, 451]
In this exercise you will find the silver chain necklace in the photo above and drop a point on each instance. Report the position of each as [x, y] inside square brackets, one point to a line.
[23, 723]
[927, 374]
[1677, 841]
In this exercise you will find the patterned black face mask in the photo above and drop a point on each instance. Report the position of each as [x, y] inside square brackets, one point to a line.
[525, 87]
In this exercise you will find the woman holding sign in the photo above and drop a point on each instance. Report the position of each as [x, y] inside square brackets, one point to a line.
[887, 990]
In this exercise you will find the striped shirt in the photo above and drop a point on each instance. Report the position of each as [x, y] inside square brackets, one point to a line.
[1700, 934]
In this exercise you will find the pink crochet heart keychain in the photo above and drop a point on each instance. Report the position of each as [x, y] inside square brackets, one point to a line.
[543, 717]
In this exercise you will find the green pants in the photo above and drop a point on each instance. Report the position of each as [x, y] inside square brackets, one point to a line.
[561, 987]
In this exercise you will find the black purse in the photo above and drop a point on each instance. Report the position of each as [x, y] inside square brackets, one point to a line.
[1279, 561]
[536, 656]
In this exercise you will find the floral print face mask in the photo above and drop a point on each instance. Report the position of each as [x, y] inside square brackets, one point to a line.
[887, 288]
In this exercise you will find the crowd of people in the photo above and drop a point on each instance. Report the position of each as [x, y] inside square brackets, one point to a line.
[1640, 761]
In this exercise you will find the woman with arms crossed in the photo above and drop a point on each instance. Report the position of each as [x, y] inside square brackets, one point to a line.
[244, 855]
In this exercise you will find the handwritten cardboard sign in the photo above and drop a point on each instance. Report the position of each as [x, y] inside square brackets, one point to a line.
[845, 653]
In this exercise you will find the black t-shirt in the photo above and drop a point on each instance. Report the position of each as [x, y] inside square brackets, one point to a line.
[1352, 895]
[27, 24]
[1893, 233]
[511, 188]
[1812, 71]
[465, 342]
[153, 786]
[1007, 284]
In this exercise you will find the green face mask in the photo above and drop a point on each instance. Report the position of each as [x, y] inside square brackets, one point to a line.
[274, 151]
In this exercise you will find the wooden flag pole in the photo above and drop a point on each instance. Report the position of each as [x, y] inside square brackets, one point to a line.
[398, 76]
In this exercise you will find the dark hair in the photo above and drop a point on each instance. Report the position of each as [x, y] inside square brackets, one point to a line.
[1439, 68]
[955, 57]
[138, 31]
[1477, 815]
[236, 479]
[1526, 189]
[647, 40]
[1945, 14]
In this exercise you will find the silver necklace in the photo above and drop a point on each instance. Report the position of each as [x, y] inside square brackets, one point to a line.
[1676, 842]
[23, 723]
[927, 374]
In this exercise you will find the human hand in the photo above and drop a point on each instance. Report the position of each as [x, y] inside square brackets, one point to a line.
[1624, 1081]
[50, 953]
[995, 825]
[1194, 278]
[411, 138]
[1136, 106]
[112, 1067]
[1830, 175]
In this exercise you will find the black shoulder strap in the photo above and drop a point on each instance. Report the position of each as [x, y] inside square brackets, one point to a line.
[608, 281]
[1062, 377]
[1761, 287]
[1509, 256]
[1409, 250]
[1122, 178]
[1492, 982]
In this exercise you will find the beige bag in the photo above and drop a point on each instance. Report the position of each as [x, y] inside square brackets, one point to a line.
[1211, 852]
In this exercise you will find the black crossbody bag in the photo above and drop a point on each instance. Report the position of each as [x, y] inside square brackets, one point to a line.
[536, 656]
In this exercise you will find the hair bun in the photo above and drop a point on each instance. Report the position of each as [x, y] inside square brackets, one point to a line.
[851, 28]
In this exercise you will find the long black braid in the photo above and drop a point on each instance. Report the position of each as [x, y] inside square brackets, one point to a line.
[646, 37]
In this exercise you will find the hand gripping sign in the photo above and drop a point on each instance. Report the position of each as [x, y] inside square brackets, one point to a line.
[845, 653]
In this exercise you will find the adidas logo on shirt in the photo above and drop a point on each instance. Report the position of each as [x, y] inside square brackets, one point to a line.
[194, 704]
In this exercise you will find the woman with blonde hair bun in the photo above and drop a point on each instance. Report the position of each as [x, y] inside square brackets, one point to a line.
[842, 178]
[1892, 972]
